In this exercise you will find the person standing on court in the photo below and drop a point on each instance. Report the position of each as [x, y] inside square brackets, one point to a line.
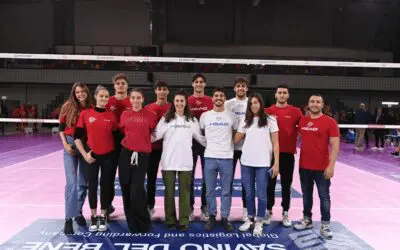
[159, 108]
[288, 118]
[260, 143]
[219, 126]
[319, 133]
[238, 106]
[362, 117]
[178, 128]
[137, 125]
[74, 165]
[199, 103]
[99, 126]
[118, 104]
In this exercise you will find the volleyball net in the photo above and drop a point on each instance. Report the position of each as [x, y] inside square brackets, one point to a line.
[45, 80]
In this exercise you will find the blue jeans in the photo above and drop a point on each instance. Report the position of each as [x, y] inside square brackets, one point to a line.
[224, 167]
[252, 176]
[76, 181]
[307, 179]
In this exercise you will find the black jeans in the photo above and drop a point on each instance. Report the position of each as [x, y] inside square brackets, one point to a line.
[105, 164]
[134, 196]
[379, 138]
[198, 150]
[286, 168]
[152, 170]
[118, 139]
[307, 179]
[236, 157]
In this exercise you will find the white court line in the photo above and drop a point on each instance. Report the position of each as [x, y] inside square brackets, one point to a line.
[234, 207]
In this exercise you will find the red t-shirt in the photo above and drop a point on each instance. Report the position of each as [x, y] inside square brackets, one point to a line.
[287, 117]
[69, 130]
[199, 105]
[118, 106]
[99, 128]
[159, 111]
[137, 128]
[315, 134]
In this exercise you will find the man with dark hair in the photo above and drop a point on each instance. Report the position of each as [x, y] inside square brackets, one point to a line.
[159, 108]
[288, 118]
[199, 103]
[118, 104]
[317, 162]
[238, 106]
[219, 126]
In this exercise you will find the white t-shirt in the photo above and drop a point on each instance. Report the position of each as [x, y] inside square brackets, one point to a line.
[237, 107]
[218, 128]
[257, 147]
[177, 144]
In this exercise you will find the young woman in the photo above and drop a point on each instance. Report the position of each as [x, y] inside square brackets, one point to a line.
[136, 125]
[260, 143]
[99, 126]
[379, 133]
[178, 127]
[74, 165]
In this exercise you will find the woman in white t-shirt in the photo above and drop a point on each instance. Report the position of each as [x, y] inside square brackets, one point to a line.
[178, 127]
[260, 142]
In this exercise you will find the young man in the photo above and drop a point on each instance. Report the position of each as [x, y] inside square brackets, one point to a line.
[238, 106]
[219, 126]
[317, 164]
[118, 104]
[199, 103]
[159, 108]
[288, 118]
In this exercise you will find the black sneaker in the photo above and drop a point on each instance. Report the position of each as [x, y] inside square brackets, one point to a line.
[94, 225]
[102, 223]
[110, 210]
[227, 224]
[210, 223]
[395, 154]
[68, 229]
[80, 220]
[171, 227]
[184, 227]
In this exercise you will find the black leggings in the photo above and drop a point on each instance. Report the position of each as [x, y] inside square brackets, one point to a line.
[134, 195]
[379, 138]
[105, 164]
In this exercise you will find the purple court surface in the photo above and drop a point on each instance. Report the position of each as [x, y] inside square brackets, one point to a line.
[364, 192]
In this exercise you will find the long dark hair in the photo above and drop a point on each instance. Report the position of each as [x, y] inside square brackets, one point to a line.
[170, 115]
[262, 121]
[70, 109]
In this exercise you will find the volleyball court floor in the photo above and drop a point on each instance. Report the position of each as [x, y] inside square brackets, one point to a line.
[365, 194]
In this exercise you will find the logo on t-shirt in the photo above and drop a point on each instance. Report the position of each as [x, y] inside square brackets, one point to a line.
[288, 116]
[199, 109]
[113, 108]
[92, 119]
[198, 102]
[309, 127]
[106, 120]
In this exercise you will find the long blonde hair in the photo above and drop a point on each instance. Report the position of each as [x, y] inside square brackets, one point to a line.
[70, 109]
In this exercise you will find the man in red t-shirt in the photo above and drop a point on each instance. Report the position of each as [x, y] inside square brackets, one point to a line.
[317, 164]
[288, 118]
[118, 104]
[199, 103]
[159, 108]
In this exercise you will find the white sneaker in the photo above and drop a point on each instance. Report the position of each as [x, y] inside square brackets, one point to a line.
[244, 214]
[285, 220]
[246, 225]
[326, 231]
[303, 224]
[258, 228]
[381, 149]
[374, 149]
[102, 223]
[204, 214]
[267, 219]
[94, 224]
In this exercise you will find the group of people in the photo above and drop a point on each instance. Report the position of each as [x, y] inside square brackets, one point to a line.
[119, 133]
